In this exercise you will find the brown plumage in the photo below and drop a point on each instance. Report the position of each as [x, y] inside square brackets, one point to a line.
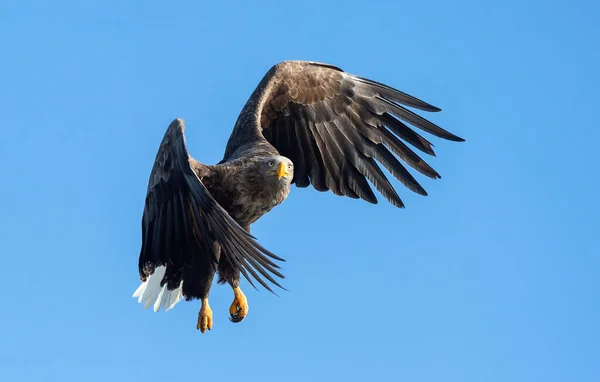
[305, 123]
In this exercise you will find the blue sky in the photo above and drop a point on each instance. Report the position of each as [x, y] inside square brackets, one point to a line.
[492, 277]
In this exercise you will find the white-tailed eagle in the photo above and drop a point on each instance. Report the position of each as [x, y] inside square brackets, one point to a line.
[306, 124]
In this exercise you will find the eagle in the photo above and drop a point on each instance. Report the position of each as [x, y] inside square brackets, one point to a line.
[306, 123]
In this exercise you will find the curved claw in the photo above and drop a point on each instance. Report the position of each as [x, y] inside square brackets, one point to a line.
[235, 318]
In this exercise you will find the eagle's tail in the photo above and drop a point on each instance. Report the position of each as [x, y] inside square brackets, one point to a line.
[151, 293]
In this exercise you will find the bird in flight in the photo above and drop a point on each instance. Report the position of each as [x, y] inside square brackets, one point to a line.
[306, 123]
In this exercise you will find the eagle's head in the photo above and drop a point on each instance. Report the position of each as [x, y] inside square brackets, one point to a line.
[278, 169]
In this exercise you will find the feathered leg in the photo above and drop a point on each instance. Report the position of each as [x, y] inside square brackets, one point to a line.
[199, 278]
[239, 307]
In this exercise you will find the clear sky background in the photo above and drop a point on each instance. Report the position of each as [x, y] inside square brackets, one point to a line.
[492, 277]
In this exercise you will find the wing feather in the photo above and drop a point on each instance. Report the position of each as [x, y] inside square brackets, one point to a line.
[314, 161]
[357, 180]
[340, 172]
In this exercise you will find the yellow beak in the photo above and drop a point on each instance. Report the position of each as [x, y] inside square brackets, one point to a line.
[281, 171]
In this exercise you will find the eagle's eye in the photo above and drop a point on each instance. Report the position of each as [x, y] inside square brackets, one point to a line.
[271, 163]
[290, 166]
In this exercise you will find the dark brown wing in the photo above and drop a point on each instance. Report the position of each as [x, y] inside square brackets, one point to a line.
[334, 126]
[181, 220]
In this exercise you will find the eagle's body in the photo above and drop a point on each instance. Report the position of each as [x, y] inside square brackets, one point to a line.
[306, 123]
[238, 187]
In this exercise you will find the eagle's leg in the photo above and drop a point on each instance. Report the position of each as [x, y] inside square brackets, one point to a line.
[204, 316]
[239, 307]
[203, 276]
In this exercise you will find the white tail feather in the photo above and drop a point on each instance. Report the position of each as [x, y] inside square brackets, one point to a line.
[159, 298]
[151, 293]
[173, 298]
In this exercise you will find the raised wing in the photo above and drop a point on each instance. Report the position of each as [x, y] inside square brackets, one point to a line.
[334, 126]
[182, 222]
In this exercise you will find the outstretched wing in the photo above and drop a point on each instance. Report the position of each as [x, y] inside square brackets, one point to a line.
[182, 222]
[334, 126]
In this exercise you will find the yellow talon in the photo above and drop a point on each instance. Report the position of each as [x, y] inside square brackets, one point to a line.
[239, 307]
[204, 317]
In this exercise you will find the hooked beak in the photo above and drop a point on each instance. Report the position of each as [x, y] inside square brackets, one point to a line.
[282, 170]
